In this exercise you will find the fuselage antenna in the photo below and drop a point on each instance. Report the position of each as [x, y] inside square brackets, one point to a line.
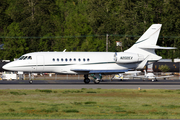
[64, 50]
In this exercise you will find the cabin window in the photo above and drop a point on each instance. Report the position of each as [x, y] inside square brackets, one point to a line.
[70, 59]
[84, 59]
[88, 59]
[79, 59]
[74, 59]
[58, 59]
[53, 59]
[66, 59]
[62, 59]
[29, 58]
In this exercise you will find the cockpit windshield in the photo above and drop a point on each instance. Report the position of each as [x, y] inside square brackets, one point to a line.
[21, 57]
[25, 58]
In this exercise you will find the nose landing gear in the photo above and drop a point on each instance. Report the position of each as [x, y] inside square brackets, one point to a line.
[30, 80]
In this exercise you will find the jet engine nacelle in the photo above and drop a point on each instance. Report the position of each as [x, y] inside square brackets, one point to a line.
[123, 57]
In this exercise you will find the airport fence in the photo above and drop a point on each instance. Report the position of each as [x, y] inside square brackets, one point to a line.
[53, 76]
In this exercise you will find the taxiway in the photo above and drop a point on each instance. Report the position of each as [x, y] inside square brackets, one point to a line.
[78, 84]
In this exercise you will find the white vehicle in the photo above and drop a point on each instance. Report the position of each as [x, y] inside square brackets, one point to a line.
[9, 76]
[151, 76]
[96, 63]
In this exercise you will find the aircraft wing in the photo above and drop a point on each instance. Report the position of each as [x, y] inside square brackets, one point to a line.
[165, 76]
[139, 77]
[99, 71]
[132, 72]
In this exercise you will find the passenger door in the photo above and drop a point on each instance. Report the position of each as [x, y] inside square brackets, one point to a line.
[40, 63]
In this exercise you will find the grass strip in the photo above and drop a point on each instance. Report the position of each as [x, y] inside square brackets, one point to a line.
[89, 104]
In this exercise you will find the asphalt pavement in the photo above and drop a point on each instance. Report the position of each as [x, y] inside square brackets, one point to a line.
[78, 84]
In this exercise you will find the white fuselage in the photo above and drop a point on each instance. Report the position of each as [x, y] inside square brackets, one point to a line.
[65, 62]
[150, 76]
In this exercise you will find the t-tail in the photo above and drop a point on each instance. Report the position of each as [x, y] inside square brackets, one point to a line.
[146, 44]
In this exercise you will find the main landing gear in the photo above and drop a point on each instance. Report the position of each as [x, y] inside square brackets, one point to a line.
[86, 79]
[97, 78]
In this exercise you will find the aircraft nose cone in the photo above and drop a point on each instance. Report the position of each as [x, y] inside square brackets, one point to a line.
[6, 67]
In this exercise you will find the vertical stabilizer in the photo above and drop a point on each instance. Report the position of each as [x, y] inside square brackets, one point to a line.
[150, 37]
[146, 44]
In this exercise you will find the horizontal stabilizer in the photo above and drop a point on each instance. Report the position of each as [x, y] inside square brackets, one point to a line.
[156, 47]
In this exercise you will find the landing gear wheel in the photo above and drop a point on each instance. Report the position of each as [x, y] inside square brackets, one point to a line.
[96, 81]
[30, 82]
[86, 81]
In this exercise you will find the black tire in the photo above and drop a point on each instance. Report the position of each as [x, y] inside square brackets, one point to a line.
[87, 81]
[30, 82]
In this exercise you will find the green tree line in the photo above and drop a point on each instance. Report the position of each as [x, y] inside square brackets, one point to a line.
[82, 25]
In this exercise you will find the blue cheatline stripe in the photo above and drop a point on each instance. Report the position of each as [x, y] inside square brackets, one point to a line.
[141, 41]
[65, 64]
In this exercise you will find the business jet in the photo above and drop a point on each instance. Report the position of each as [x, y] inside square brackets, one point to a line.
[151, 76]
[92, 63]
